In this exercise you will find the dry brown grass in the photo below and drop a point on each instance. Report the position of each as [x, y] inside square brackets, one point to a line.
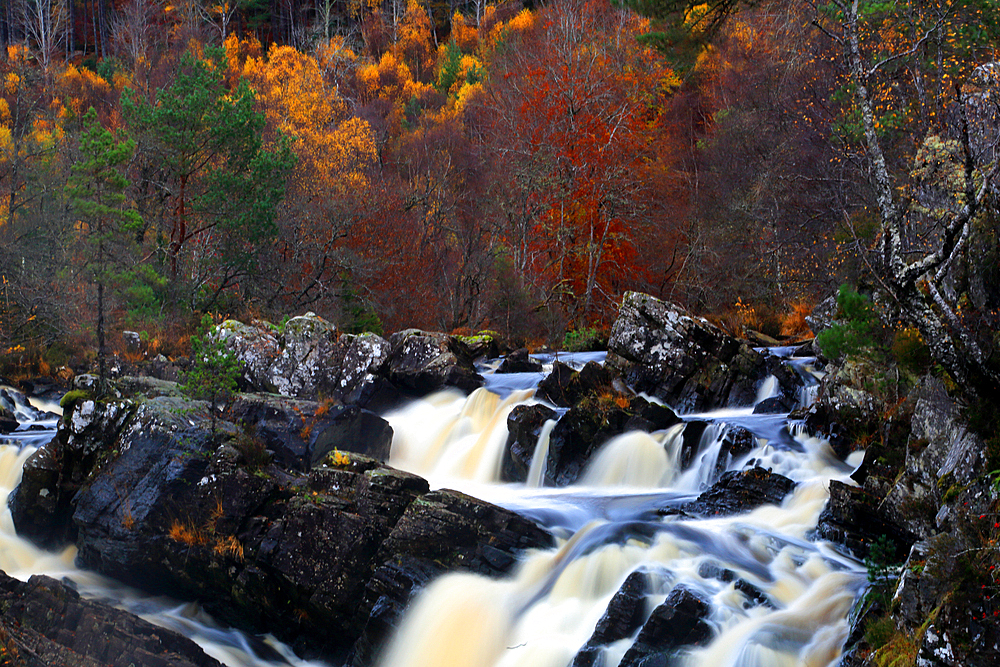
[186, 533]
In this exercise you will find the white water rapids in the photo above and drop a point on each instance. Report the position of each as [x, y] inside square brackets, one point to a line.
[545, 611]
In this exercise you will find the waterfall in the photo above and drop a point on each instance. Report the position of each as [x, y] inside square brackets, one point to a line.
[546, 611]
[21, 559]
[775, 596]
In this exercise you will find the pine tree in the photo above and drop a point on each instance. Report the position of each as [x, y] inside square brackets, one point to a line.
[96, 193]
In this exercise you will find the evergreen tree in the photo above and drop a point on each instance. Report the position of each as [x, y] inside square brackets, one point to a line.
[214, 369]
[96, 193]
[206, 148]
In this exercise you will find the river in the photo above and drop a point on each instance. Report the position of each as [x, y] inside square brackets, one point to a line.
[609, 526]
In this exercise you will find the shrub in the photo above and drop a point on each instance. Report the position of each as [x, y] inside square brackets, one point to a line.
[910, 351]
[214, 369]
[857, 329]
[582, 340]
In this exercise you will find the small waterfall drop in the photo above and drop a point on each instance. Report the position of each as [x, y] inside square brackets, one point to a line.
[547, 610]
[21, 559]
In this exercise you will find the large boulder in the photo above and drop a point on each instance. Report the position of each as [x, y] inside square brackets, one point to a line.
[44, 623]
[300, 433]
[686, 361]
[625, 614]
[256, 346]
[421, 362]
[303, 365]
[677, 624]
[741, 491]
[322, 559]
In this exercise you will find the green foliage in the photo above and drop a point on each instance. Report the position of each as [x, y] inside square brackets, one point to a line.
[882, 567]
[581, 340]
[910, 351]
[71, 398]
[144, 294]
[450, 68]
[357, 315]
[857, 329]
[206, 141]
[214, 369]
[96, 193]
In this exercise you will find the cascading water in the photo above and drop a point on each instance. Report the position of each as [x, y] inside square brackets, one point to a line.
[609, 527]
[20, 559]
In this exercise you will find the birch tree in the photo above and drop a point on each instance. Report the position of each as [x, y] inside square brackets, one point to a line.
[918, 247]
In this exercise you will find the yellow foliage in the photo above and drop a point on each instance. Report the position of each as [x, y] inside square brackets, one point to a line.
[338, 458]
[469, 92]
[414, 41]
[4, 111]
[238, 51]
[11, 82]
[465, 35]
[6, 142]
[17, 53]
[336, 58]
[334, 150]
[387, 79]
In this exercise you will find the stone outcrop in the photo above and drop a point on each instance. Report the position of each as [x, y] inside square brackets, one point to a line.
[685, 360]
[323, 559]
[309, 359]
[421, 362]
[741, 491]
[679, 623]
[44, 623]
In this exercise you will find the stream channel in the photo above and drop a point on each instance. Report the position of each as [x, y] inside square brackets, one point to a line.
[610, 525]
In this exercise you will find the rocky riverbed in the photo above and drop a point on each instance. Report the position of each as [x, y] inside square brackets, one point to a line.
[283, 517]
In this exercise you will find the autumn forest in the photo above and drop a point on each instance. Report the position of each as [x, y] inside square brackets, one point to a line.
[458, 165]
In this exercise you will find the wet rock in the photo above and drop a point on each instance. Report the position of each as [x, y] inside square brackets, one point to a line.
[625, 614]
[578, 435]
[40, 506]
[755, 597]
[565, 387]
[736, 443]
[8, 422]
[678, 623]
[854, 519]
[303, 365]
[686, 361]
[518, 361]
[741, 491]
[524, 425]
[322, 559]
[421, 362]
[44, 623]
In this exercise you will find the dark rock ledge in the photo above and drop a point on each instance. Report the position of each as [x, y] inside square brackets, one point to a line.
[324, 559]
[44, 623]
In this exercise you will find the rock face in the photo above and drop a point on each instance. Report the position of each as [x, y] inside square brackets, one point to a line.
[686, 361]
[323, 559]
[676, 624]
[308, 359]
[43, 623]
[301, 433]
[421, 362]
